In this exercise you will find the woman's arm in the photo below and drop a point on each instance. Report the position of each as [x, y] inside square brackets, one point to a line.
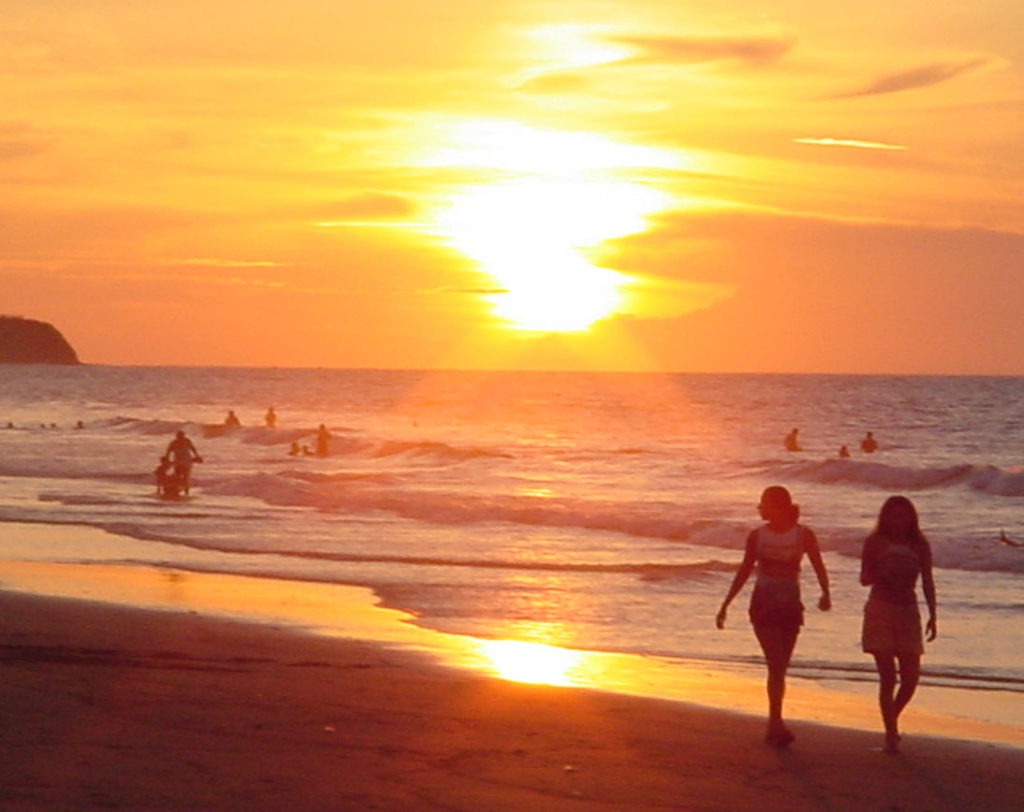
[814, 554]
[867, 561]
[742, 574]
[928, 585]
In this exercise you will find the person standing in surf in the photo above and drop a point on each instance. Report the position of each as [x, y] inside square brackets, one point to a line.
[183, 454]
[323, 441]
[895, 555]
[776, 613]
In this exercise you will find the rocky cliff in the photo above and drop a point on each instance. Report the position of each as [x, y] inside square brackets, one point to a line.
[26, 341]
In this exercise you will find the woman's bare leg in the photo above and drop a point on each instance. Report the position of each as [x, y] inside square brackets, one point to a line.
[910, 675]
[886, 664]
[777, 644]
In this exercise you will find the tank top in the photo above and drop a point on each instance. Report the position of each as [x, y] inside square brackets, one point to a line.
[779, 554]
[777, 587]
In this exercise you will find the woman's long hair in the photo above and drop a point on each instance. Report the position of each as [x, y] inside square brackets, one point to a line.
[886, 525]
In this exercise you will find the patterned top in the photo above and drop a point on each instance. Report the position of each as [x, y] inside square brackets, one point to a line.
[896, 568]
[779, 554]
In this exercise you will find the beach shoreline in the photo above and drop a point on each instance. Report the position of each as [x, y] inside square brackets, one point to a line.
[28, 566]
[107, 706]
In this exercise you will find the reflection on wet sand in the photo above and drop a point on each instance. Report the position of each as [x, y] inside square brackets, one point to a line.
[333, 610]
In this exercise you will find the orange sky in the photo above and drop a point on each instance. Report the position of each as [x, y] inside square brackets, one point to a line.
[835, 187]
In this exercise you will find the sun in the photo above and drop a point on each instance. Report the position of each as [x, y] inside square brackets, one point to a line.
[551, 197]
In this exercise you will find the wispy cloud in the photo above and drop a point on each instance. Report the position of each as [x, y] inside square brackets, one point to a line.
[225, 263]
[853, 143]
[913, 78]
[19, 140]
[756, 49]
[471, 291]
[368, 206]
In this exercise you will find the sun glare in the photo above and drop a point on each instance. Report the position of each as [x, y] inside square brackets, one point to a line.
[530, 662]
[555, 197]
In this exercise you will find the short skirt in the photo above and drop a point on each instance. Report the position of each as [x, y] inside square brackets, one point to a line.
[892, 628]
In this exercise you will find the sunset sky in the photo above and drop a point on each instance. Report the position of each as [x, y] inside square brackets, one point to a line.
[641, 184]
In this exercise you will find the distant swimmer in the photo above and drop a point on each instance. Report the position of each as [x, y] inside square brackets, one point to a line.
[1009, 542]
[183, 454]
[323, 439]
[844, 451]
[232, 420]
[270, 418]
[869, 445]
[791, 442]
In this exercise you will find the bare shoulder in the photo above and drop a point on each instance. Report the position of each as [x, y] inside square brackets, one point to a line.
[809, 539]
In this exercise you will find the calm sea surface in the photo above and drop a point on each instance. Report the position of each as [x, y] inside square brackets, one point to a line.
[593, 511]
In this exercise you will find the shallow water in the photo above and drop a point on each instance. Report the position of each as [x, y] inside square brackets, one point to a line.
[598, 512]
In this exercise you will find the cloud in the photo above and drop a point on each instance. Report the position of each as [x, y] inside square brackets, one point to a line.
[474, 291]
[555, 83]
[827, 281]
[848, 142]
[755, 49]
[214, 262]
[367, 206]
[20, 141]
[914, 78]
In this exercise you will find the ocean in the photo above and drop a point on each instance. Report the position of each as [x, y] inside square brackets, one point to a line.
[600, 512]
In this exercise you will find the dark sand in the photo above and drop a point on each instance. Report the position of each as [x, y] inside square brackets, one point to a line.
[112, 708]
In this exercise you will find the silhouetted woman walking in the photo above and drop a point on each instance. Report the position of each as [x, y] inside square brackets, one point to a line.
[895, 555]
[776, 549]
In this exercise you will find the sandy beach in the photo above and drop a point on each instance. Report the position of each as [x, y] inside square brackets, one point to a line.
[105, 707]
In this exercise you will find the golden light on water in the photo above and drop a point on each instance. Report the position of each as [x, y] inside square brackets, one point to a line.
[520, 661]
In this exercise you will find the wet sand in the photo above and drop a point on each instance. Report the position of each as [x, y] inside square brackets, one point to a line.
[106, 707]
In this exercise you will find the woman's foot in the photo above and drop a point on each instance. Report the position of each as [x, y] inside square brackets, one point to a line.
[779, 736]
[892, 743]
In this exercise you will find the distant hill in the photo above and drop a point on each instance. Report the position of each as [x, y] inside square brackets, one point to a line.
[27, 341]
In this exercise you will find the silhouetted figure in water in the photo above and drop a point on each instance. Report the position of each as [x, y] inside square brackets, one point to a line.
[844, 452]
[168, 483]
[183, 454]
[270, 418]
[295, 450]
[869, 445]
[895, 555]
[232, 421]
[791, 442]
[776, 613]
[323, 440]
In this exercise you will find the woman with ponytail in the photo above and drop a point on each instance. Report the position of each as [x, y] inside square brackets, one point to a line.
[776, 613]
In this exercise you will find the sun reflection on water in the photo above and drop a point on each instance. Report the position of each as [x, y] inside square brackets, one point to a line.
[521, 661]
